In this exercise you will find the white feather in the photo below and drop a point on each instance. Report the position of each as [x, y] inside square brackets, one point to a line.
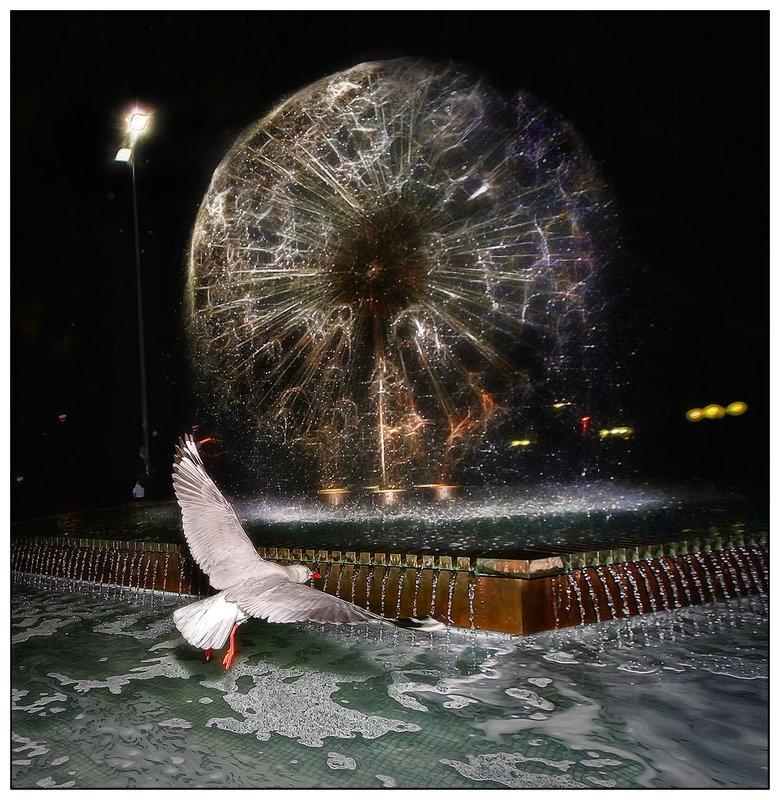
[208, 622]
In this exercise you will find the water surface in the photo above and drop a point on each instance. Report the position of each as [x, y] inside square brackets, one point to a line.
[106, 694]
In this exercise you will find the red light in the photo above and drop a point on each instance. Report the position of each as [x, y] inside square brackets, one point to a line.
[585, 421]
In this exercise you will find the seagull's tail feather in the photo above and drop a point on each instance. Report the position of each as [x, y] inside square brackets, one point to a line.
[207, 623]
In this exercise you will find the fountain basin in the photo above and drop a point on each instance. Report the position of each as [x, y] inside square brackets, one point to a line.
[535, 591]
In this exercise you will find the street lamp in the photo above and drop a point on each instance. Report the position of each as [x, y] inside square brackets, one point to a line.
[136, 124]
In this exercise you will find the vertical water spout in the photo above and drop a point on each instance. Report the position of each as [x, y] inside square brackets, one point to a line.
[749, 554]
[146, 572]
[689, 562]
[655, 569]
[353, 587]
[181, 573]
[602, 578]
[417, 578]
[124, 567]
[434, 581]
[578, 594]
[669, 566]
[630, 567]
[401, 579]
[472, 590]
[734, 573]
[621, 587]
[165, 571]
[714, 559]
[385, 576]
[369, 581]
[699, 559]
[592, 593]
[450, 593]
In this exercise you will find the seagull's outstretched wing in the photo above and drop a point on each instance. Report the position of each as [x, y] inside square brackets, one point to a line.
[215, 536]
[294, 602]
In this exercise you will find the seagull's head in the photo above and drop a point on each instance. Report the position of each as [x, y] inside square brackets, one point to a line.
[301, 573]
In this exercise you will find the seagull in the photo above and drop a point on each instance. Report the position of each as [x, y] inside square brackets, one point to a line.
[249, 586]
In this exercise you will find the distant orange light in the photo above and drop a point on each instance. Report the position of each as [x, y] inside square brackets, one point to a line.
[737, 408]
[694, 414]
[62, 417]
[207, 440]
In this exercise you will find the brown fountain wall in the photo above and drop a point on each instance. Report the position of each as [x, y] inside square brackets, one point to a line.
[498, 594]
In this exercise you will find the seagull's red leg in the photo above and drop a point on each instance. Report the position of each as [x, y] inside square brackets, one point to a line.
[209, 652]
[232, 651]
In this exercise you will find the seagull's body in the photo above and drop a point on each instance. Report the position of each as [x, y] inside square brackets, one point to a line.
[250, 586]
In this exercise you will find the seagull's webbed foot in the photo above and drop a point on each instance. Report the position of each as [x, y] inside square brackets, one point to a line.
[228, 659]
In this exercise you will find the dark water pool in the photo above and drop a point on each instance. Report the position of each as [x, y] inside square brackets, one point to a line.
[106, 694]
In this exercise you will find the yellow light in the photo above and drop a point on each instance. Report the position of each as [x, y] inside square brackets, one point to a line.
[694, 414]
[737, 408]
[138, 122]
[123, 154]
[714, 411]
[618, 431]
[520, 443]
[560, 405]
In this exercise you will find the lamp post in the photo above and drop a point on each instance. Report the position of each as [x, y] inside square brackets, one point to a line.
[137, 123]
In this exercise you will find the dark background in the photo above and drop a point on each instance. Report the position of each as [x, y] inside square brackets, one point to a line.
[673, 106]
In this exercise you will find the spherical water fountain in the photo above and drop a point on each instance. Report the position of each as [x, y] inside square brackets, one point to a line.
[385, 264]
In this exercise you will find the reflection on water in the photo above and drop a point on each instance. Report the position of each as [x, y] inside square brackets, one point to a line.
[106, 694]
[497, 520]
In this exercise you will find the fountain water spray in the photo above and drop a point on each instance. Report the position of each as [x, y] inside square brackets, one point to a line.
[381, 262]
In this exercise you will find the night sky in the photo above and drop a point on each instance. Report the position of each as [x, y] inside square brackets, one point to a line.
[673, 106]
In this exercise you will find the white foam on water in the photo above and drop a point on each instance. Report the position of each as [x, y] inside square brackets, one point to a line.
[46, 627]
[540, 682]
[560, 657]
[165, 667]
[39, 704]
[387, 781]
[456, 701]
[503, 768]
[601, 762]
[398, 692]
[339, 761]
[294, 702]
[49, 783]
[175, 722]
[607, 783]
[119, 626]
[530, 698]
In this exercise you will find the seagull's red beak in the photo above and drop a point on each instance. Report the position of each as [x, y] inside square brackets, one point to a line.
[316, 575]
